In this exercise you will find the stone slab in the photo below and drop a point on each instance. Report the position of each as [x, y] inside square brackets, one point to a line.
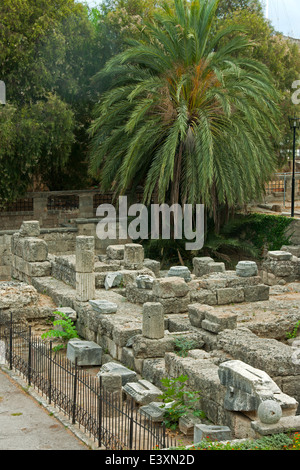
[87, 353]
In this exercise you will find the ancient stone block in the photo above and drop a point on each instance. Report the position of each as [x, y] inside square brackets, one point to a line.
[87, 353]
[280, 255]
[256, 293]
[155, 411]
[153, 265]
[225, 320]
[153, 320]
[204, 296]
[35, 249]
[216, 267]
[170, 287]
[197, 313]
[133, 256]
[38, 269]
[143, 391]
[149, 348]
[113, 280]
[126, 374]
[175, 305]
[30, 228]
[201, 265]
[103, 306]
[230, 295]
[246, 386]
[212, 432]
[285, 424]
[143, 281]
[115, 252]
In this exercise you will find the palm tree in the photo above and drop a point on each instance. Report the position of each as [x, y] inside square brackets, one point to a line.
[186, 116]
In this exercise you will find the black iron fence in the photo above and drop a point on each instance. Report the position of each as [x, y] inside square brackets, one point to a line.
[115, 423]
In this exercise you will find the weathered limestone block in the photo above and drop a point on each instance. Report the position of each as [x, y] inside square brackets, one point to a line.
[153, 265]
[34, 250]
[153, 320]
[68, 311]
[197, 313]
[285, 424]
[139, 296]
[85, 286]
[256, 293]
[216, 321]
[269, 355]
[216, 267]
[115, 252]
[280, 255]
[126, 374]
[204, 296]
[113, 280]
[144, 281]
[87, 353]
[170, 287]
[85, 254]
[103, 306]
[201, 265]
[111, 382]
[187, 424]
[42, 269]
[30, 228]
[230, 295]
[143, 391]
[175, 305]
[133, 256]
[247, 387]
[155, 411]
[212, 432]
[144, 348]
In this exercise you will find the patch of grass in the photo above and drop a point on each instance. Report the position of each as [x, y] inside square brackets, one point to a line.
[276, 442]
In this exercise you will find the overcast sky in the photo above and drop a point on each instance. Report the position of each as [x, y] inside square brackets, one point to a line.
[283, 14]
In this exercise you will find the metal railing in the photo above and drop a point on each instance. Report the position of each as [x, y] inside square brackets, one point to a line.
[114, 423]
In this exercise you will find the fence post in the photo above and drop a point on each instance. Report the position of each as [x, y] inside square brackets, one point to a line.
[50, 373]
[29, 357]
[10, 341]
[74, 393]
[100, 412]
[131, 425]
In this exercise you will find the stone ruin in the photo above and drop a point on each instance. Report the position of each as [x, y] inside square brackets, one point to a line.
[130, 316]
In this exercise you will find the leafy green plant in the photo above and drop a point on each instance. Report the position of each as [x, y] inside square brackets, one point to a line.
[184, 400]
[183, 345]
[293, 333]
[66, 330]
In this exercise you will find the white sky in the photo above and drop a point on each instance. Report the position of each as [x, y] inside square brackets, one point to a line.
[283, 14]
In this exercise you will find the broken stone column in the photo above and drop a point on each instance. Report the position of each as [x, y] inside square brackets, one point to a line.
[180, 271]
[246, 269]
[85, 263]
[153, 320]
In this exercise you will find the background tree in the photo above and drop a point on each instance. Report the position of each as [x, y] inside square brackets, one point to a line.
[186, 116]
[281, 56]
[48, 53]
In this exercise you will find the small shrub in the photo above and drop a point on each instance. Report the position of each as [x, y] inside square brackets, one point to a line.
[67, 331]
[184, 400]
